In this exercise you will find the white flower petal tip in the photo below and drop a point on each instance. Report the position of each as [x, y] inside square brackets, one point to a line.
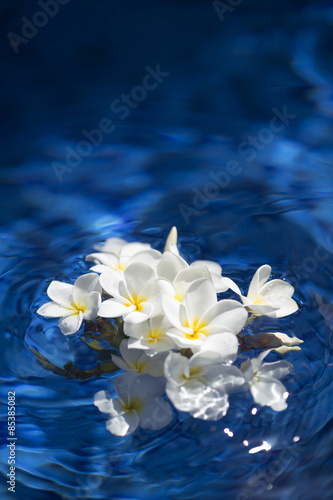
[139, 404]
[73, 303]
[171, 242]
[284, 349]
[269, 298]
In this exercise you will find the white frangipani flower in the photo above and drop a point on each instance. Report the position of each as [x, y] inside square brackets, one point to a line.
[137, 361]
[136, 293]
[269, 298]
[201, 384]
[73, 303]
[150, 335]
[176, 271]
[262, 378]
[117, 254]
[202, 323]
[139, 403]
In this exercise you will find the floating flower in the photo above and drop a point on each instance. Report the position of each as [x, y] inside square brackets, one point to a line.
[200, 322]
[73, 303]
[201, 385]
[136, 293]
[269, 298]
[134, 360]
[139, 403]
[150, 335]
[117, 254]
[263, 379]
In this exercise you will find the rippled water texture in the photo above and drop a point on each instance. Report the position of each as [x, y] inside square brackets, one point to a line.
[62, 445]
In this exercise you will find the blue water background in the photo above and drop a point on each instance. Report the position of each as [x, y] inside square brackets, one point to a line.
[225, 80]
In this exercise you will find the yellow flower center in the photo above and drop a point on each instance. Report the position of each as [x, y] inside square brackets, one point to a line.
[197, 328]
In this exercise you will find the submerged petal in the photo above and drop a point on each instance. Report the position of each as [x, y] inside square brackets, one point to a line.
[70, 324]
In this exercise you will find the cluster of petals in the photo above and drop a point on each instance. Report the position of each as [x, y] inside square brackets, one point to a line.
[167, 306]
[269, 298]
[139, 402]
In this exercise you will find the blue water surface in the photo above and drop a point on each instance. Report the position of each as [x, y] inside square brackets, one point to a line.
[199, 153]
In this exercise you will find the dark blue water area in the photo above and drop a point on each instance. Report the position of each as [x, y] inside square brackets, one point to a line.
[178, 159]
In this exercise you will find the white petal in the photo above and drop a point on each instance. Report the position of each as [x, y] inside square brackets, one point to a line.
[229, 314]
[171, 242]
[155, 414]
[102, 401]
[154, 366]
[200, 297]
[170, 265]
[175, 313]
[227, 282]
[70, 324]
[150, 257]
[121, 363]
[139, 386]
[111, 308]
[139, 330]
[122, 425]
[277, 287]
[225, 378]
[92, 302]
[285, 304]
[136, 276]
[85, 284]
[224, 344]
[183, 342]
[212, 405]
[278, 369]
[136, 317]
[185, 398]
[110, 281]
[270, 392]
[131, 356]
[131, 249]
[259, 279]
[112, 245]
[99, 268]
[106, 405]
[107, 259]
[53, 310]
[174, 368]
[186, 278]
[61, 293]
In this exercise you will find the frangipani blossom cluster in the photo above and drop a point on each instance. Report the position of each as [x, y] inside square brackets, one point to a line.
[180, 338]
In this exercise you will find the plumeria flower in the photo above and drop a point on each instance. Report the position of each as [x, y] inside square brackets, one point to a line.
[269, 298]
[201, 384]
[263, 379]
[150, 335]
[136, 293]
[73, 303]
[220, 282]
[202, 323]
[117, 254]
[139, 403]
[136, 361]
[176, 271]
